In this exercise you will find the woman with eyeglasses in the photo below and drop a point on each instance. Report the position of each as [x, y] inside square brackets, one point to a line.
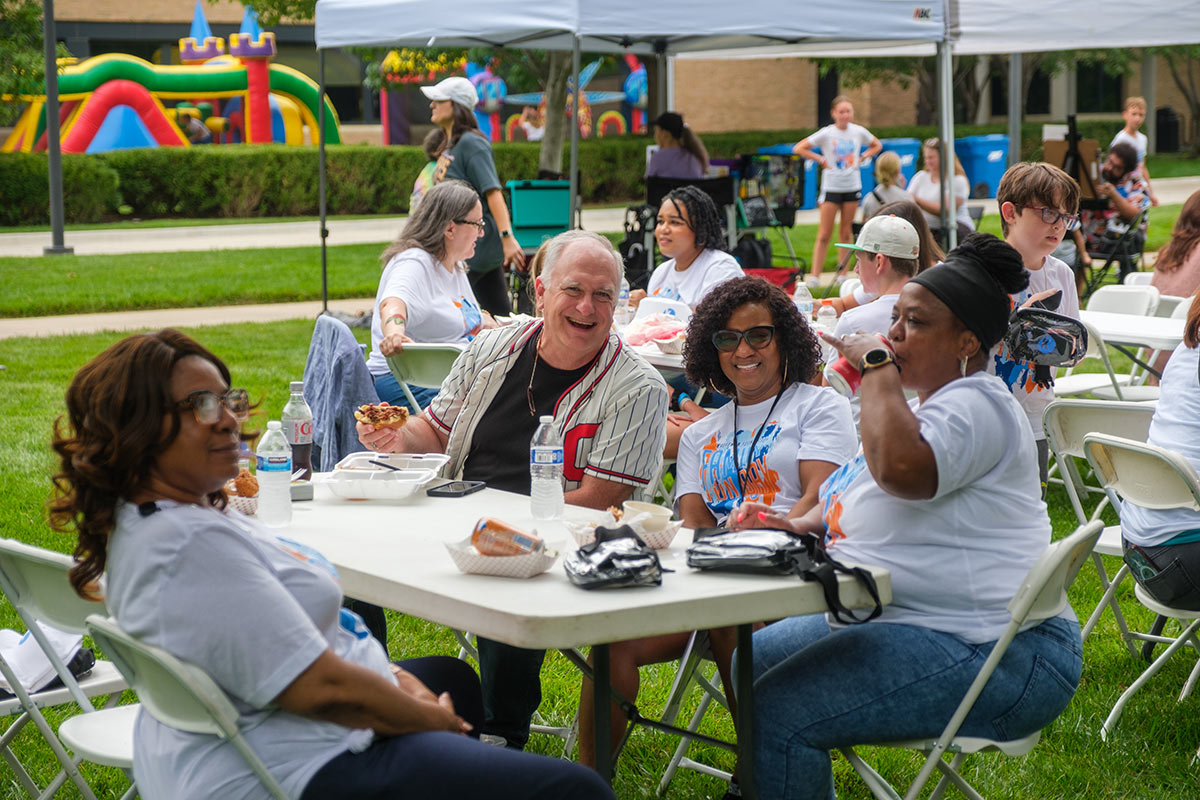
[774, 444]
[148, 442]
[926, 189]
[943, 494]
[424, 293]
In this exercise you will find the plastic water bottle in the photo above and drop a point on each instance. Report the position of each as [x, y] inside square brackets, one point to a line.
[274, 457]
[803, 299]
[546, 471]
[622, 315]
[827, 323]
[297, 422]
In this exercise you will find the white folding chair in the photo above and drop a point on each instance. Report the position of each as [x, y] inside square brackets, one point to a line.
[1042, 595]
[178, 694]
[35, 582]
[848, 287]
[1137, 279]
[1141, 300]
[661, 305]
[424, 365]
[1074, 383]
[1067, 422]
[691, 671]
[1157, 478]
[1138, 391]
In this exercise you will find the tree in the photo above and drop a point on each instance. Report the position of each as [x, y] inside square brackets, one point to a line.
[1183, 62]
[904, 71]
[22, 61]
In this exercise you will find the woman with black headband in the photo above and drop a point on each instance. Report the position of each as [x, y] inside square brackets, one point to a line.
[941, 496]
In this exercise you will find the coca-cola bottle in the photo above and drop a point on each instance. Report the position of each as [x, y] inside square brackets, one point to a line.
[297, 422]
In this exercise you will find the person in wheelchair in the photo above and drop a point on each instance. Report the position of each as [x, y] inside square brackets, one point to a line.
[1103, 230]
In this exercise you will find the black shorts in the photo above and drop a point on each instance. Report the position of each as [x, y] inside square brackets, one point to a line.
[841, 197]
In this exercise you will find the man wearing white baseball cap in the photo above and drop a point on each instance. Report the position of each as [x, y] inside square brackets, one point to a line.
[887, 247]
[467, 156]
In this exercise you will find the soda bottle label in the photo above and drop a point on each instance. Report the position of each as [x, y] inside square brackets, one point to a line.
[546, 455]
[274, 464]
[299, 431]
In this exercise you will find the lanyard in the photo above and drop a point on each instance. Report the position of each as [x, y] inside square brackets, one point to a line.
[737, 470]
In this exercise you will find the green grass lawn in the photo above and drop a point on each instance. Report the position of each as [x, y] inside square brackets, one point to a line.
[1148, 758]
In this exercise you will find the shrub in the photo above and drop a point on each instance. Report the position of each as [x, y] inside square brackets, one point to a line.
[89, 189]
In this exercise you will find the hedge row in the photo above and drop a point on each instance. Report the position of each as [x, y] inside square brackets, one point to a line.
[277, 181]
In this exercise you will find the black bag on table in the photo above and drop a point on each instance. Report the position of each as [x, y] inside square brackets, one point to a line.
[618, 557]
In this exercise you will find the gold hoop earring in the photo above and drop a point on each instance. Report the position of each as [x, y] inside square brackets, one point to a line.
[962, 366]
[785, 366]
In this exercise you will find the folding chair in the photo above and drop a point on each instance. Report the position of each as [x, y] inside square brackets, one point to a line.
[1125, 251]
[1139, 392]
[35, 582]
[1137, 279]
[1074, 383]
[1140, 300]
[1151, 477]
[691, 670]
[1042, 595]
[1067, 422]
[424, 365]
[848, 287]
[178, 694]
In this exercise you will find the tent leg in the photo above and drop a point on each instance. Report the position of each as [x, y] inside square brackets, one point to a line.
[321, 179]
[53, 143]
[945, 69]
[1014, 108]
[574, 177]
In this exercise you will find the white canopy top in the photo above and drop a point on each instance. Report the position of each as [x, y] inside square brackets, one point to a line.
[640, 26]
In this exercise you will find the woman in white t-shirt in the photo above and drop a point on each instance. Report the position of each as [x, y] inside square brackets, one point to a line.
[926, 190]
[424, 293]
[943, 495]
[149, 440]
[841, 146]
[774, 444]
[688, 231]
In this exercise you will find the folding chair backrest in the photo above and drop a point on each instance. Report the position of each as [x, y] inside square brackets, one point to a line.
[1137, 300]
[1143, 474]
[849, 287]
[35, 582]
[1068, 421]
[1138, 279]
[661, 305]
[176, 693]
[421, 364]
[1043, 593]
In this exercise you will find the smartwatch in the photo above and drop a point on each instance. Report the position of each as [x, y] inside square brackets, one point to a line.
[875, 358]
[505, 234]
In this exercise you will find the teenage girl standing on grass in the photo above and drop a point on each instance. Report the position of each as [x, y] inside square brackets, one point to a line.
[841, 184]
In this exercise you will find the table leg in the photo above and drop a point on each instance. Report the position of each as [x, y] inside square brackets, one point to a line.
[601, 702]
[745, 712]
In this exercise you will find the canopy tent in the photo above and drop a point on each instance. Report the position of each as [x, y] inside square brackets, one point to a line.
[659, 27]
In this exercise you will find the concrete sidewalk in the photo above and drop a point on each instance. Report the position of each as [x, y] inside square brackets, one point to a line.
[116, 241]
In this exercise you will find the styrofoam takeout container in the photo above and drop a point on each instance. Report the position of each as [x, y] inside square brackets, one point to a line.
[525, 565]
[362, 461]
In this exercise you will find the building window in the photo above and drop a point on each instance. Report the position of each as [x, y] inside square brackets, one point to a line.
[1037, 99]
[1096, 90]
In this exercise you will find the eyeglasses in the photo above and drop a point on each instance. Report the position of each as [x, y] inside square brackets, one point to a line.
[1051, 216]
[757, 337]
[480, 225]
[206, 406]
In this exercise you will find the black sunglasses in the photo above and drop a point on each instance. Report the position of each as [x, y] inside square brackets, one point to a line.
[206, 406]
[757, 337]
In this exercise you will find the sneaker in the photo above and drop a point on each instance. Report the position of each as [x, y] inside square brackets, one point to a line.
[492, 739]
[812, 281]
[839, 280]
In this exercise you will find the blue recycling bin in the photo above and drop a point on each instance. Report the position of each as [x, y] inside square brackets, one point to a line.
[984, 158]
[909, 150]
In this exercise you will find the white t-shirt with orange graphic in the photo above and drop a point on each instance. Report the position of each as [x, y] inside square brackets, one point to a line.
[809, 423]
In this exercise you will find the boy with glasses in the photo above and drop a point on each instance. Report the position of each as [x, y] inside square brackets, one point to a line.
[1039, 204]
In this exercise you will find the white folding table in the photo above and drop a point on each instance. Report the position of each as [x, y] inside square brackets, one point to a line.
[1125, 331]
[393, 554]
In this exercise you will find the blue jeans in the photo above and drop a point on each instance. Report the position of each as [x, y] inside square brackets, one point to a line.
[816, 689]
[389, 391]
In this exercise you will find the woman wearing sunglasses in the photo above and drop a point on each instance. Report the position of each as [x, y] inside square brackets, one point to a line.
[944, 495]
[149, 440]
[424, 293]
[774, 444]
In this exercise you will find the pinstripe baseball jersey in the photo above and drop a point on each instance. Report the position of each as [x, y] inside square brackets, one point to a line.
[612, 421]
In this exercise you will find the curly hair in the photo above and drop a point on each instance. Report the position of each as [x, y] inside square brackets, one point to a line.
[116, 406]
[798, 345]
[702, 214]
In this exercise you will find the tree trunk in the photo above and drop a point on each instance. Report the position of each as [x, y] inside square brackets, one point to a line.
[926, 96]
[1184, 72]
[551, 156]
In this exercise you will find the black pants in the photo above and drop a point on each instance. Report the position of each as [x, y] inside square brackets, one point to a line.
[443, 764]
[512, 689]
[491, 290]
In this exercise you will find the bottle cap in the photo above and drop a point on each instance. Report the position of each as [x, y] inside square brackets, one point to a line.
[826, 302]
[274, 425]
[297, 387]
[545, 419]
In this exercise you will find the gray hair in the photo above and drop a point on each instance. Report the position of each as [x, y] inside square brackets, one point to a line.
[559, 244]
[426, 228]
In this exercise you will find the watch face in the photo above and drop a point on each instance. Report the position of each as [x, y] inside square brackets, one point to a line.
[877, 357]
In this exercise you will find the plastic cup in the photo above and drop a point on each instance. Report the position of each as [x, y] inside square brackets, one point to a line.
[659, 515]
[844, 377]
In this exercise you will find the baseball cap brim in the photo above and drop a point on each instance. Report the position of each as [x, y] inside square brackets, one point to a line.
[854, 247]
[434, 93]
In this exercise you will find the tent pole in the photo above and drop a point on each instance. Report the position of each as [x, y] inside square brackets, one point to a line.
[945, 70]
[1014, 108]
[321, 179]
[53, 145]
[574, 177]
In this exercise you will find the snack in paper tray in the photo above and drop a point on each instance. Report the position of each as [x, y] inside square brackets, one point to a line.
[652, 328]
[243, 492]
[499, 549]
[382, 415]
[492, 537]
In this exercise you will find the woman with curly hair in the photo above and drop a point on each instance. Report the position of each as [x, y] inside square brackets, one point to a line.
[689, 234]
[774, 444]
[150, 439]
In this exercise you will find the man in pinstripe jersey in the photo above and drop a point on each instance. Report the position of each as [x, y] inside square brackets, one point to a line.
[609, 406]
